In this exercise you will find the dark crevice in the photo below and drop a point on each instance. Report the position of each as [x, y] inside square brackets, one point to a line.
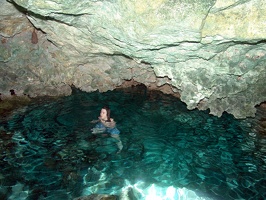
[114, 54]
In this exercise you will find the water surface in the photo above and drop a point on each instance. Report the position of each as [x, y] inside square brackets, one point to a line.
[48, 151]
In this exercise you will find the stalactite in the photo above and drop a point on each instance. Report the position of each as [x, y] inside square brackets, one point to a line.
[34, 37]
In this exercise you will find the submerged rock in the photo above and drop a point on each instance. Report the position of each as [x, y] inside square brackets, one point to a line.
[13, 102]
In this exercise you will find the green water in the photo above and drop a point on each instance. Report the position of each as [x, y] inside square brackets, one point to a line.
[49, 152]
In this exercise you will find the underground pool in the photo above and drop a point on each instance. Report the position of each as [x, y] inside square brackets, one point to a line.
[48, 151]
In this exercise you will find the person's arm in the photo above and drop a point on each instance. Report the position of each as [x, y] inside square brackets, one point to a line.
[110, 124]
[98, 130]
[94, 121]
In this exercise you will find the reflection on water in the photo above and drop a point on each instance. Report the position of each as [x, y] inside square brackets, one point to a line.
[48, 151]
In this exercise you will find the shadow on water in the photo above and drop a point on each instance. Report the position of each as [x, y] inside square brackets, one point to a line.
[49, 152]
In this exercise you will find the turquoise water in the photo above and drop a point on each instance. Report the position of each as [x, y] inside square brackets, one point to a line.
[48, 151]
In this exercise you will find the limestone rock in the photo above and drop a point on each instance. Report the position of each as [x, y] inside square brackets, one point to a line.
[211, 52]
[240, 20]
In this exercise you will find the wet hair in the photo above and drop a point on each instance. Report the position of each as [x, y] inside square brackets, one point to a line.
[108, 112]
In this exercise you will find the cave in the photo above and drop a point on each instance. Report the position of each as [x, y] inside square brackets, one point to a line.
[202, 62]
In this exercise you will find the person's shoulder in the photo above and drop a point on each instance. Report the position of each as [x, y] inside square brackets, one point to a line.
[111, 119]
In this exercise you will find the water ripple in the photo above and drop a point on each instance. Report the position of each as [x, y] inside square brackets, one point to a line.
[49, 147]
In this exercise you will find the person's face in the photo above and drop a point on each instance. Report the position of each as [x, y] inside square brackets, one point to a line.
[103, 114]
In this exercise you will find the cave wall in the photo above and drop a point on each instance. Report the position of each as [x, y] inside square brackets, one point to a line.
[210, 52]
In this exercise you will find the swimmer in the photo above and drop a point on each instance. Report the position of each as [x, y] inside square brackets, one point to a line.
[107, 124]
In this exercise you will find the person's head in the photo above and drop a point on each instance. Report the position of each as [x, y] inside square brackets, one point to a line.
[105, 113]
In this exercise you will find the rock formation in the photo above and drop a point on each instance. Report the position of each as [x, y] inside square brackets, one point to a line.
[210, 52]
